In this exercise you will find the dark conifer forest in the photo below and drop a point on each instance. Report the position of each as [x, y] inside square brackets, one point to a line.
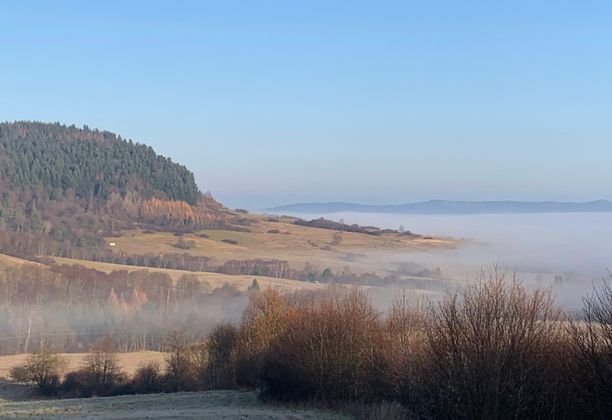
[90, 163]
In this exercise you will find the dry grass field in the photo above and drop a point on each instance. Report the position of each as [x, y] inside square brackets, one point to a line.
[129, 362]
[8, 261]
[283, 240]
[268, 238]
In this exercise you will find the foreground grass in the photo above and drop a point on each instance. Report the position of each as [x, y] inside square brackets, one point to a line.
[185, 405]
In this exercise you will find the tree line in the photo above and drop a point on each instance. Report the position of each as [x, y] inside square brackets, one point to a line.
[70, 307]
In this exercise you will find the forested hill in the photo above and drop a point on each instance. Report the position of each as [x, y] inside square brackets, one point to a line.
[92, 163]
[63, 188]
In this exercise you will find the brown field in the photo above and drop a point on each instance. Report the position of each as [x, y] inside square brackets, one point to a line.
[296, 244]
[127, 361]
[8, 261]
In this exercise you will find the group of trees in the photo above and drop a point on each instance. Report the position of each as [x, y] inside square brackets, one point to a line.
[492, 350]
[92, 163]
[189, 365]
[100, 375]
[323, 223]
[69, 307]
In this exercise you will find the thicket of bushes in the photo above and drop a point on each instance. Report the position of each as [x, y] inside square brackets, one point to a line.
[493, 350]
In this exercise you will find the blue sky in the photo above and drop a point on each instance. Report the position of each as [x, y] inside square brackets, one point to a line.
[276, 102]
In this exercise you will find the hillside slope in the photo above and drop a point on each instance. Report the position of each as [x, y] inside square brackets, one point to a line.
[62, 188]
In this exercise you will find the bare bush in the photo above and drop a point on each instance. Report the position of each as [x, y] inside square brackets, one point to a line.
[327, 352]
[405, 335]
[265, 318]
[489, 349]
[590, 361]
[221, 351]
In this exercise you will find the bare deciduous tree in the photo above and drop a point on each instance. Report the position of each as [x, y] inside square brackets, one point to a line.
[44, 369]
[178, 361]
[102, 367]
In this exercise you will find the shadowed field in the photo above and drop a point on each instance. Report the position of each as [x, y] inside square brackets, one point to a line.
[188, 405]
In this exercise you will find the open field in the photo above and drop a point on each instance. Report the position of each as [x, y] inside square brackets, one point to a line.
[129, 362]
[8, 261]
[187, 405]
[267, 238]
[283, 240]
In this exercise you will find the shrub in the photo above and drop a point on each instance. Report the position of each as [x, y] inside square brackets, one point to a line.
[147, 379]
[327, 352]
[405, 335]
[590, 361]
[265, 318]
[78, 384]
[182, 243]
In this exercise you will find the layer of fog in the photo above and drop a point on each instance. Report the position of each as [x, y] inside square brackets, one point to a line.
[569, 251]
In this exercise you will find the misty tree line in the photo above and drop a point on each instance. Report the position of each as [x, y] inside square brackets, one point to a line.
[69, 307]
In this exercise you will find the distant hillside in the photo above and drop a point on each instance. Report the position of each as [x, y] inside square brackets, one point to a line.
[449, 207]
[63, 187]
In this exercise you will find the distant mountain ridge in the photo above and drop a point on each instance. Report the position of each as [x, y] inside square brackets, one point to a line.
[451, 207]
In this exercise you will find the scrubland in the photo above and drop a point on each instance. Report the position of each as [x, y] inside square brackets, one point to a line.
[494, 349]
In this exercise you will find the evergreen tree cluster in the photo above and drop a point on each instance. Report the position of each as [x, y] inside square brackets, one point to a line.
[89, 162]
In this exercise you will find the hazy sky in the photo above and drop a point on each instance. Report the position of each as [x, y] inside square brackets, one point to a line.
[275, 102]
